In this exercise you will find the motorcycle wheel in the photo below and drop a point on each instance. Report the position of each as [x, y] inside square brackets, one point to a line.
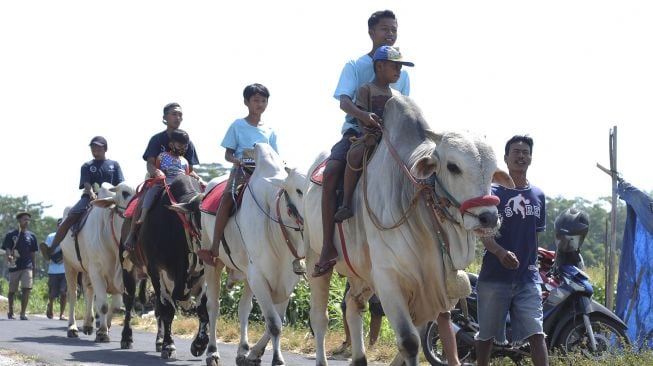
[433, 350]
[610, 336]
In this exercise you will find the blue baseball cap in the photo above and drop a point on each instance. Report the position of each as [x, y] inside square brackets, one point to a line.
[390, 53]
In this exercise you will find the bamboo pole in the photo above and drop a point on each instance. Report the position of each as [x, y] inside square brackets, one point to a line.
[609, 286]
[611, 236]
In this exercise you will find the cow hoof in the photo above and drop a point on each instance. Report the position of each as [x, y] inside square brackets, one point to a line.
[277, 361]
[169, 353]
[254, 362]
[241, 360]
[159, 346]
[126, 345]
[360, 362]
[213, 361]
[102, 338]
[198, 347]
[73, 333]
[87, 329]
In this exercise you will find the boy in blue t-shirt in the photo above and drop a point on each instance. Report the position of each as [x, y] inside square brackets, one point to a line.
[382, 29]
[93, 174]
[239, 142]
[20, 245]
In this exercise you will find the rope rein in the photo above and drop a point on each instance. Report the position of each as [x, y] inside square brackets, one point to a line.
[413, 202]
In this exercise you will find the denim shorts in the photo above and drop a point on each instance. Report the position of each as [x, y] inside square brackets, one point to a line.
[340, 149]
[56, 284]
[523, 301]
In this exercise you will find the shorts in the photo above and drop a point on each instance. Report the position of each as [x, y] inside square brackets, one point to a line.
[57, 284]
[523, 301]
[82, 205]
[237, 177]
[340, 149]
[24, 276]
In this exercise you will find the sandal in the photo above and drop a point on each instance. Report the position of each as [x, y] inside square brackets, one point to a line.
[322, 269]
[343, 214]
[207, 256]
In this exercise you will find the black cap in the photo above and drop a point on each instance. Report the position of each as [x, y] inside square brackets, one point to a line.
[98, 140]
[23, 213]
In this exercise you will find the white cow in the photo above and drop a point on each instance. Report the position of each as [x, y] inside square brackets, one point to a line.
[405, 265]
[96, 256]
[259, 253]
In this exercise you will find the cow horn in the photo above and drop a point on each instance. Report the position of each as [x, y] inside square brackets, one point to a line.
[104, 202]
[179, 207]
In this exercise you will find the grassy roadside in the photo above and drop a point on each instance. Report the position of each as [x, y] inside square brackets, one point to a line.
[297, 338]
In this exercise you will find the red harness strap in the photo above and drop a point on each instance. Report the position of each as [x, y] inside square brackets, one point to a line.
[187, 225]
[487, 200]
[113, 231]
[344, 249]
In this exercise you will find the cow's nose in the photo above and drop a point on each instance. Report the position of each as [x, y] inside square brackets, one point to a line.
[488, 219]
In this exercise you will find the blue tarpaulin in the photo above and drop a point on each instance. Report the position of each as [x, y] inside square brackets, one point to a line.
[635, 285]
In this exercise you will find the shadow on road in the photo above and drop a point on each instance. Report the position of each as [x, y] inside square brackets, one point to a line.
[128, 357]
[63, 340]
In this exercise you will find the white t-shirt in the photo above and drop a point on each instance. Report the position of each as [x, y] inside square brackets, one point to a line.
[54, 268]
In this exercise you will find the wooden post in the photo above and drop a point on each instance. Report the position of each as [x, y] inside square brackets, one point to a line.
[612, 264]
[606, 258]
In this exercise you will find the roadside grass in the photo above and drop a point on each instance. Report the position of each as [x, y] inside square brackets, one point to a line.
[18, 356]
[297, 337]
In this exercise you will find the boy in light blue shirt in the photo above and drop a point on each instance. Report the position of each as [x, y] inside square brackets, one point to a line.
[239, 143]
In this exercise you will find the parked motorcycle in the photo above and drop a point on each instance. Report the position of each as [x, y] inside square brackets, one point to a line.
[573, 321]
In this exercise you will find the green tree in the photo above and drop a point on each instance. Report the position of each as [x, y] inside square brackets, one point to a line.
[210, 170]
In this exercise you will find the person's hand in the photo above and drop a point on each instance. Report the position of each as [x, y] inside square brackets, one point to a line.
[158, 173]
[371, 120]
[508, 259]
[237, 162]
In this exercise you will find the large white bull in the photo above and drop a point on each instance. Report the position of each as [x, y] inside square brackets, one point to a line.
[96, 256]
[259, 252]
[419, 207]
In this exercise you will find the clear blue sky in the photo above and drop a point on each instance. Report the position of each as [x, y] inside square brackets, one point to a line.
[564, 72]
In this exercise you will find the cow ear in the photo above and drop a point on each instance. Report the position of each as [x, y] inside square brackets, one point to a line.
[436, 137]
[424, 167]
[502, 178]
[179, 207]
[103, 202]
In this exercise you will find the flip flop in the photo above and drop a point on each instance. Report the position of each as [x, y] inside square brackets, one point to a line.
[322, 269]
[207, 256]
